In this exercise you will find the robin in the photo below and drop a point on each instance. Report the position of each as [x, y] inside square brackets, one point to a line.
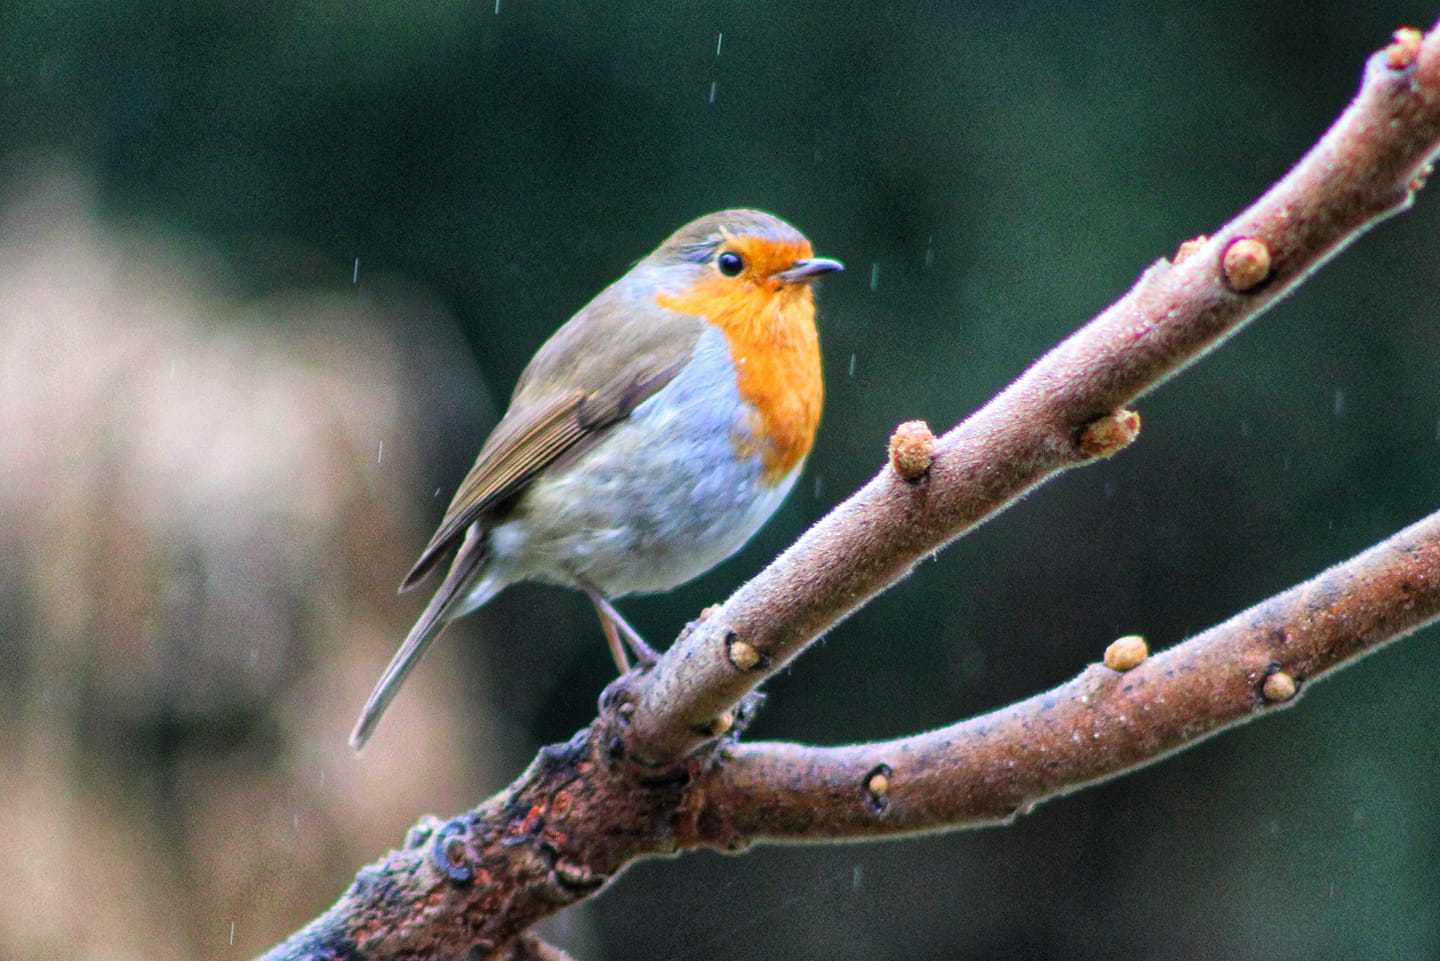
[647, 440]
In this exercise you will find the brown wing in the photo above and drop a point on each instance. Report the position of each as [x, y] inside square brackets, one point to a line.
[563, 398]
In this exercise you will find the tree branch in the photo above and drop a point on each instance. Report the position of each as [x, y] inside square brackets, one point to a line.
[651, 776]
[1366, 168]
[1094, 728]
[572, 822]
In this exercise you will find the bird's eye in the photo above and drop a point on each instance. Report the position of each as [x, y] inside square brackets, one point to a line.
[730, 263]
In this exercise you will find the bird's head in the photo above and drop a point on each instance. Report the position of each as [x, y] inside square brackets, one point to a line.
[740, 266]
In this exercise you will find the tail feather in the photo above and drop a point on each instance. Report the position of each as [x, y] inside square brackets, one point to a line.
[448, 597]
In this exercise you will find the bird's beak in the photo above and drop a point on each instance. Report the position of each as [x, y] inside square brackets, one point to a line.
[804, 271]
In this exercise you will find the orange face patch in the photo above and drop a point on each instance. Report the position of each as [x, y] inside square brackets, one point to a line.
[764, 258]
[770, 327]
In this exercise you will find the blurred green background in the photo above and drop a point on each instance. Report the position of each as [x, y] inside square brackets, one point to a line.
[268, 270]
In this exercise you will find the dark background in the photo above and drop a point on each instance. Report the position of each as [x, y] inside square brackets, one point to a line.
[222, 442]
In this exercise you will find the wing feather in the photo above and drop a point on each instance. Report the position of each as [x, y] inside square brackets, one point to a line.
[519, 447]
[544, 422]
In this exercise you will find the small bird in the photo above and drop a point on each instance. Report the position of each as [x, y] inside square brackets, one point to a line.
[646, 441]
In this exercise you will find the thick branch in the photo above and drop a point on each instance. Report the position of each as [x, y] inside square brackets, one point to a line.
[1096, 727]
[1363, 170]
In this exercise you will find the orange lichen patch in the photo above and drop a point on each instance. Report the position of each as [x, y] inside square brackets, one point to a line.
[1405, 49]
[368, 928]
[1247, 263]
[1190, 247]
[1417, 183]
[530, 823]
[770, 327]
[1108, 435]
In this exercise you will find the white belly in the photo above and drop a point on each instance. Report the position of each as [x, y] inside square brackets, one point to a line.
[659, 500]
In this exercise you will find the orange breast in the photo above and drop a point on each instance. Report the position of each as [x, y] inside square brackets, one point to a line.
[771, 332]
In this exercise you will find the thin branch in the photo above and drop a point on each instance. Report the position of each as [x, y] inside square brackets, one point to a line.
[1094, 728]
[1365, 169]
[650, 775]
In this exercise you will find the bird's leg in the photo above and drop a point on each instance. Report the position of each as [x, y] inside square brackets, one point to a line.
[615, 627]
[644, 653]
[612, 637]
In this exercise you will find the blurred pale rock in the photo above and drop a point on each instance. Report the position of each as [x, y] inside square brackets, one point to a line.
[201, 542]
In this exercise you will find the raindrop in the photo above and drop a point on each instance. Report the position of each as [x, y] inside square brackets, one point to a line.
[380, 457]
[875, 275]
[1339, 402]
[930, 251]
[437, 493]
[714, 86]
[497, 8]
[819, 486]
[232, 932]
[355, 273]
[857, 874]
[852, 365]
[718, 41]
